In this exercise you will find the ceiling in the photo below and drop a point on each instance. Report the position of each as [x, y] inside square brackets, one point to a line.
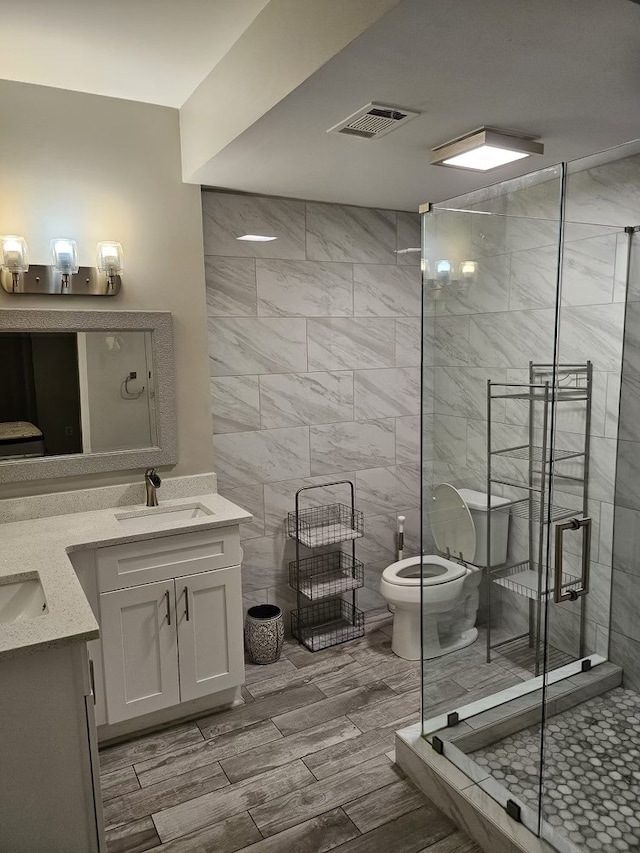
[565, 70]
[156, 51]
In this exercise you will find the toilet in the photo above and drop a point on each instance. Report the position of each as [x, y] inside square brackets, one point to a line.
[449, 581]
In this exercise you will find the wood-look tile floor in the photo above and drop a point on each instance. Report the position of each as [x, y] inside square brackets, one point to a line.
[304, 766]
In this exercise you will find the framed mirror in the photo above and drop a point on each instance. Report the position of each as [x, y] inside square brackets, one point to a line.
[85, 392]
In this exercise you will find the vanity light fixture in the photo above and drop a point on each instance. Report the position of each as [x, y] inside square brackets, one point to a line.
[14, 258]
[445, 272]
[484, 149]
[256, 238]
[64, 277]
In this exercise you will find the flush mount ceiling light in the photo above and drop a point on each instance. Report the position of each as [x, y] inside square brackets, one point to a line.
[485, 149]
[256, 238]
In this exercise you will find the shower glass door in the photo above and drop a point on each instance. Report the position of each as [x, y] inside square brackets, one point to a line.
[582, 786]
[524, 302]
[491, 264]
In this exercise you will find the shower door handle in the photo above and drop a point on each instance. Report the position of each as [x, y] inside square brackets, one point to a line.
[572, 524]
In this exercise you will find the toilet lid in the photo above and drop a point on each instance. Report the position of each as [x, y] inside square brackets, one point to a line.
[451, 523]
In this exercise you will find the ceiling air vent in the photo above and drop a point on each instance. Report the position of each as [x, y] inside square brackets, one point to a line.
[373, 121]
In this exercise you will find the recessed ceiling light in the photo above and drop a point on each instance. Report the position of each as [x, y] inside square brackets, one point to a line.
[485, 149]
[256, 238]
[408, 251]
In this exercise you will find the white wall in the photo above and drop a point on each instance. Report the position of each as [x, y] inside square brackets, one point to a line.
[96, 168]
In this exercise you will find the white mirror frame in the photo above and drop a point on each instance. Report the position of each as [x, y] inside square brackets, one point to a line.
[166, 451]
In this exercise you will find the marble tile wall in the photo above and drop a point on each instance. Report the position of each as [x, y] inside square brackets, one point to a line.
[314, 347]
[493, 328]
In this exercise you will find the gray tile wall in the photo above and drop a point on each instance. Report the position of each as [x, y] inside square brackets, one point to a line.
[314, 348]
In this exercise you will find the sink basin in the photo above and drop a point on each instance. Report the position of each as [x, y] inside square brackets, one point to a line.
[160, 518]
[22, 600]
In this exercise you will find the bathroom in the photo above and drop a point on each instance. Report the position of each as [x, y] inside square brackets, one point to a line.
[338, 351]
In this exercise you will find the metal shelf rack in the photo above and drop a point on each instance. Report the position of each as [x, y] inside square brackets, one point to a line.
[548, 385]
[326, 618]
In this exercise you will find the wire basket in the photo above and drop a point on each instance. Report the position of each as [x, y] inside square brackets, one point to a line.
[326, 525]
[327, 623]
[326, 574]
[524, 580]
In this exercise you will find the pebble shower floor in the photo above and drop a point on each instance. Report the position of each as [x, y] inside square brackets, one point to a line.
[592, 771]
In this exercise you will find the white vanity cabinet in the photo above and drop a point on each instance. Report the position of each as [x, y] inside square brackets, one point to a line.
[49, 775]
[170, 614]
[169, 642]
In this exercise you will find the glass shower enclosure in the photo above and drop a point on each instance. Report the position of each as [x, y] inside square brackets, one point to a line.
[525, 291]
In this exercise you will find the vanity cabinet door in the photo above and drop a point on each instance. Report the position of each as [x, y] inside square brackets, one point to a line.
[140, 650]
[210, 634]
[94, 650]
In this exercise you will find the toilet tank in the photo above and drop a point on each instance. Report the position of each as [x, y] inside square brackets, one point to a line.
[477, 503]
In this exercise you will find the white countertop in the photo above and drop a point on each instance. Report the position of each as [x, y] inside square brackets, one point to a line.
[40, 546]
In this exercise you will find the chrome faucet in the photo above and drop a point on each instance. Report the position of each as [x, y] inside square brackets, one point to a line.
[152, 482]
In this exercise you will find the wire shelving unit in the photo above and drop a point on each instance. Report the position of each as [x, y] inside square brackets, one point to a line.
[323, 617]
[529, 577]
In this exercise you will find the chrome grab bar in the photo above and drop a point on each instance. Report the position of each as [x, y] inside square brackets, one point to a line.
[572, 524]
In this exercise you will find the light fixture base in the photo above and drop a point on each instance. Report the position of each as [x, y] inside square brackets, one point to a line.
[46, 281]
[515, 146]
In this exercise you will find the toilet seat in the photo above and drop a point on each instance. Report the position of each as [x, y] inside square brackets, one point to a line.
[408, 572]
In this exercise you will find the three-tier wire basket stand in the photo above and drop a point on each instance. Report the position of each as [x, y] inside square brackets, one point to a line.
[323, 616]
[528, 576]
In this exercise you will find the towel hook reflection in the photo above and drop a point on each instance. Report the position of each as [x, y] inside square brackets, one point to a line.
[125, 392]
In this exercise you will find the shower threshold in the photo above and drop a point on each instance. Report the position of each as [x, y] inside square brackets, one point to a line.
[479, 765]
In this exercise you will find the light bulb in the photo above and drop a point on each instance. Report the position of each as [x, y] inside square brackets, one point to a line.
[110, 257]
[468, 270]
[443, 271]
[64, 253]
[14, 254]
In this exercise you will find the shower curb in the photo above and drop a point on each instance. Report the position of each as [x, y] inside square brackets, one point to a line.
[466, 804]
[464, 795]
